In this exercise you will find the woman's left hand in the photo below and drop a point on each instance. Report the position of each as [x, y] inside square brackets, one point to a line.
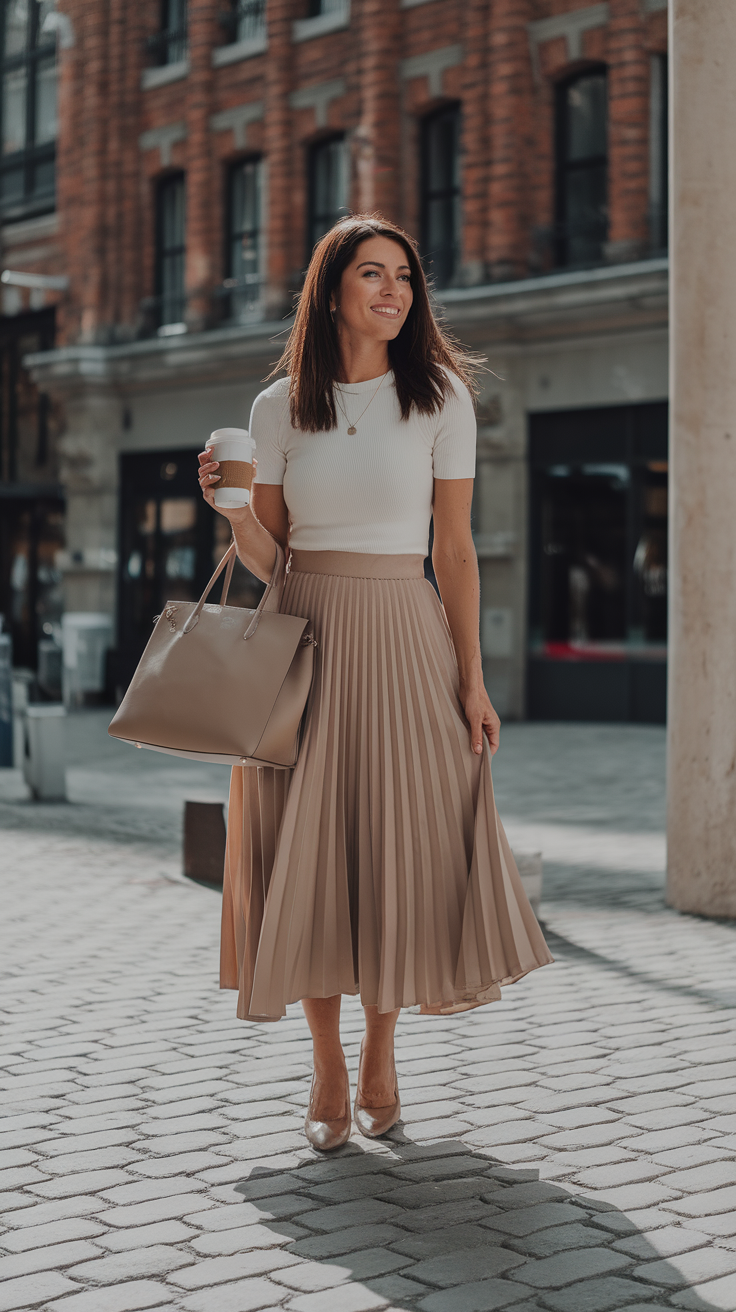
[481, 717]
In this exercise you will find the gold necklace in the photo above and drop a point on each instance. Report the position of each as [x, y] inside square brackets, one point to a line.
[353, 428]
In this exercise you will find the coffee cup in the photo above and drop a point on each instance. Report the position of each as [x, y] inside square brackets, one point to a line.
[233, 448]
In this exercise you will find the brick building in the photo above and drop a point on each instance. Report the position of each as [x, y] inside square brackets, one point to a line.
[154, 233]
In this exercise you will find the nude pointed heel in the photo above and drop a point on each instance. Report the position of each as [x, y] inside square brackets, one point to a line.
[375, 1121]
[328, 1135]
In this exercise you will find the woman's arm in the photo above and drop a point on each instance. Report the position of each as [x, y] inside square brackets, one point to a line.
[456, 568]
[255, 526]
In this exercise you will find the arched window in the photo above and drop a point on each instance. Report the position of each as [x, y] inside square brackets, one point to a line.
[581, 227]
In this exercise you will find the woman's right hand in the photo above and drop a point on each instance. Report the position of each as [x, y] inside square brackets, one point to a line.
[208, 480]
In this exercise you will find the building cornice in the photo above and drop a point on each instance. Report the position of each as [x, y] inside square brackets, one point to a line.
[558, 305]
[540, 309]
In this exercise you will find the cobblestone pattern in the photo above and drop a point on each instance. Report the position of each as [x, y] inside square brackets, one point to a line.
[571, 1149]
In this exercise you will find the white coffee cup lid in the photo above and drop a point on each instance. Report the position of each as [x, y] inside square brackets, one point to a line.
[230, 435]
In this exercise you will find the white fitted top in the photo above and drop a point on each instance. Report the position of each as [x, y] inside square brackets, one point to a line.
[371, 492]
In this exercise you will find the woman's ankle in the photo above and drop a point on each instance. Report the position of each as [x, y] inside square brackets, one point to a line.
[326, 1062]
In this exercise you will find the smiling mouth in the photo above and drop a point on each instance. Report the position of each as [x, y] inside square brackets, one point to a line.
[391, 311]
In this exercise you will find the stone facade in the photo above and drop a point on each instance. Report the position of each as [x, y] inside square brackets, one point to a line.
[555, 338]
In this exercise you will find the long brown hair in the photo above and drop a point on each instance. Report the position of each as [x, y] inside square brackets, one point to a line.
[418, 355]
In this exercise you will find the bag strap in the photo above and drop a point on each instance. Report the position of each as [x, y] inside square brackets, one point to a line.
[229, 572]
[271, 599]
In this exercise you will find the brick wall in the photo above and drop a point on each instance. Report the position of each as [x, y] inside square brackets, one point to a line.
[499, 61]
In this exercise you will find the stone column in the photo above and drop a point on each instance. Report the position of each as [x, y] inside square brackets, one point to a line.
[701, 827]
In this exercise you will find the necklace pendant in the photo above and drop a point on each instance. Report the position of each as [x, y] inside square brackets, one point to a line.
[352, 430]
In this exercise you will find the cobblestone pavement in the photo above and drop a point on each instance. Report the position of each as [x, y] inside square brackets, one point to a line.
[571, 1149]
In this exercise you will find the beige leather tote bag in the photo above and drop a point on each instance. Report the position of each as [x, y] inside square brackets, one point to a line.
[221, 683]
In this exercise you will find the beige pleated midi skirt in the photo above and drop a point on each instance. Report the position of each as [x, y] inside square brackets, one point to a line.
[377, 866]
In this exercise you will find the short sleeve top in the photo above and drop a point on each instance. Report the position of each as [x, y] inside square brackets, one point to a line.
[368, 492]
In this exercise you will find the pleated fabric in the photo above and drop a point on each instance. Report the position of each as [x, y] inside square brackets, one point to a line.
[378, 865]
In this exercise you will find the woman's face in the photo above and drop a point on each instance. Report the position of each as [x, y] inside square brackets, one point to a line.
[375, 294]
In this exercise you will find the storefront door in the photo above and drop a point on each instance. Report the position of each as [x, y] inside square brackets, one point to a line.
[598, 565]
[170, 541]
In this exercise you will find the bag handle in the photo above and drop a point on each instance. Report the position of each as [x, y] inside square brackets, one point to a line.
[267, 601]
[271, 599]
[228, 572]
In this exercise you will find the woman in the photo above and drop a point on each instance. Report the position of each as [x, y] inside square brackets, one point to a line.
[378, 865]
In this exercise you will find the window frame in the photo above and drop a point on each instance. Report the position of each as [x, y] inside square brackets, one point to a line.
[164, 253]
[563, 168]
[245, 21]
[249, 310]
[169, 45]
[37, 49]
[318, 8]
[659, 153]
[452, 193]
[313, 217]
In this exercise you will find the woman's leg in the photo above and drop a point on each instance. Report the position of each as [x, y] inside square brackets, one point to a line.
[328, 1094]
[378, 1076]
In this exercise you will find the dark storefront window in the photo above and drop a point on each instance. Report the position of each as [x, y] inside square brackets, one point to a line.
[328, 189]
[31, 507]
[170, 541]
[27, 108]
[169, 45]
[441, 194]
[170, 250]
[598, 587]
[244, 238]
[582, 169]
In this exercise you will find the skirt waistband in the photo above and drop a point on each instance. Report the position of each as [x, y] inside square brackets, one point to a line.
[357, 564]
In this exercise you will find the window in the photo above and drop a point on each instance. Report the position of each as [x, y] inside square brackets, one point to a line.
[245, 21]
[327, 187]
[318, 7]
[27, 108]
[598, 563]
[170, 248]
[244, 242]
[582, 169]
[658, 152]
[440, 165]
[169, 45]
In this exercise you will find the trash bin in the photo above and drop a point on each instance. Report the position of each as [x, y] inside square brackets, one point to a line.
[6, 700]
[85, 638]
[43, 762]
[23, 681]
[49, 668]
[204, 841]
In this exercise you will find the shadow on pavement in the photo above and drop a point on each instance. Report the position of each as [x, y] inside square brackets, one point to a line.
[443, 1228]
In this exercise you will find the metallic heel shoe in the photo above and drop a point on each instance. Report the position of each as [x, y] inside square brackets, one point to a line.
[326, 1135]
[375, 1121]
